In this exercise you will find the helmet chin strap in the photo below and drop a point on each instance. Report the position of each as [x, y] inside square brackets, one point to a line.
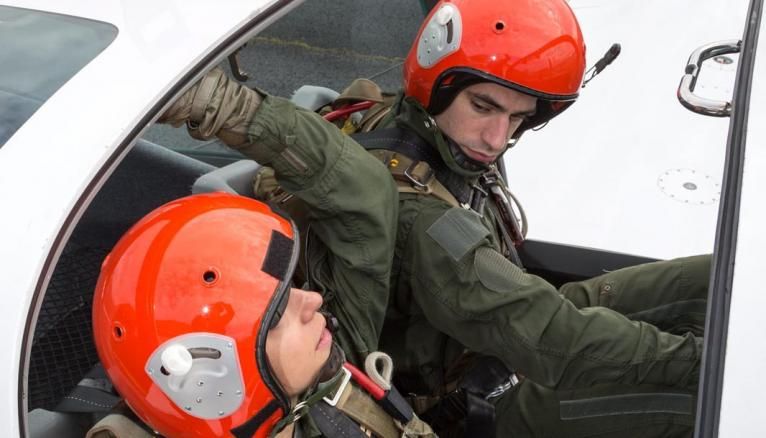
[316, 392]
[463, 160]
[337, 357]
[332, 367]
[414, 117]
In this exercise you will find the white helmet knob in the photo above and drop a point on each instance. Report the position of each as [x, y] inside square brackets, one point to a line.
[176, 360]
[445, 14]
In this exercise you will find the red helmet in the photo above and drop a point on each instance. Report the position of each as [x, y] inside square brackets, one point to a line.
[532, 46]
[181, 312]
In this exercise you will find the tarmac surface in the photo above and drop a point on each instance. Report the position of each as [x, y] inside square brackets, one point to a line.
[325, 43]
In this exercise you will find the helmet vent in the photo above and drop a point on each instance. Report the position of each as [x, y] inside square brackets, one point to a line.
[118, 332]
[450, 32]
[210, 276]
[499, 27]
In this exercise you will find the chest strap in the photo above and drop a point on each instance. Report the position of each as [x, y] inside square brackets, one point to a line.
[416, 165]
[356, 414]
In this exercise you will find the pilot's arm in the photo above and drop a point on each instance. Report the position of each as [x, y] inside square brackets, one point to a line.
[351, 195]
[468, 290]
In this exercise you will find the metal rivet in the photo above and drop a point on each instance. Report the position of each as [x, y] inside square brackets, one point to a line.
[200, 383]
[219, 393]
[239, 392]
[198, 400]
[220, 413]
[188, 408]
[690, 186]
[229, 345]
[150, 371]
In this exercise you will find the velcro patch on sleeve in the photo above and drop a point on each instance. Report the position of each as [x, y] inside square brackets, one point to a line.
[458, 231]
[496, 272]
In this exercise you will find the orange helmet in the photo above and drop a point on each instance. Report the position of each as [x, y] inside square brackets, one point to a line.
[182, 309]
[532, 46]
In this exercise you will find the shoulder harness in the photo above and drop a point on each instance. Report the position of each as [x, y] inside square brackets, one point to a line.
[415, 165]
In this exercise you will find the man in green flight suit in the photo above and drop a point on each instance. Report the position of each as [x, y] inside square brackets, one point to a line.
[476, 78]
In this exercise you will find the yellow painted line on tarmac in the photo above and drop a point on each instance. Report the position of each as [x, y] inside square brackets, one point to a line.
[325, 50]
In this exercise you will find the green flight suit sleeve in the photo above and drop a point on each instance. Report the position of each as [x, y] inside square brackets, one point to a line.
[353, 209]
[468, 290]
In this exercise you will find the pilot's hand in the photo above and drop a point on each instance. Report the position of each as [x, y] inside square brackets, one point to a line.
[215, 106]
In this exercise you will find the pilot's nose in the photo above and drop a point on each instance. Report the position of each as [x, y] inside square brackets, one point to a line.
[495, 136]
[310, 305]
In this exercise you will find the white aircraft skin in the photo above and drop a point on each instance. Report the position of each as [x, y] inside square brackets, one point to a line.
[606, 187]
[613, 166]
[52, 159]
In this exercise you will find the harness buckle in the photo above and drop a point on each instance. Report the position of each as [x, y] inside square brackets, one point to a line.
[339, 391]
[500, 389]
[420, 175]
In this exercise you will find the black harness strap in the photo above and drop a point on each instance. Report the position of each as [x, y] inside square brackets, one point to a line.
[480, 416]
[468, 408]
[332, 422]
[249, 427]
[409, 144]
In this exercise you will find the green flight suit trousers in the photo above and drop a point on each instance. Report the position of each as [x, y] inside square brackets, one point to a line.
[671, 295]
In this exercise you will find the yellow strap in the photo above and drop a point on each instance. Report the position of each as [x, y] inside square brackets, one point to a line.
[358, 405]
[400, 165]
[364, 410]
[358, 91]
[375, 114]
[437, 190]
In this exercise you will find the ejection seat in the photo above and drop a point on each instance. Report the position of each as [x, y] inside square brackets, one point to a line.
[62, 348]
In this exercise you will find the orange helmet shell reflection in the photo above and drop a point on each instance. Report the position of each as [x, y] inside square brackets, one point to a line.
[201, 264]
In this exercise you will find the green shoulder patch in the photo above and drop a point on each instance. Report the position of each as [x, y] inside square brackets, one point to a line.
[458, 231]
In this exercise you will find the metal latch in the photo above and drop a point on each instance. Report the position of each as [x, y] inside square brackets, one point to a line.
[686, 96]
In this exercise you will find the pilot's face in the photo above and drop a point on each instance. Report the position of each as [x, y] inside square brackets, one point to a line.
[483, 117]
[299, 345]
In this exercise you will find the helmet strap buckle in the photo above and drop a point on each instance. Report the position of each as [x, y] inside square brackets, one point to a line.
[335, 386]
[340, 388]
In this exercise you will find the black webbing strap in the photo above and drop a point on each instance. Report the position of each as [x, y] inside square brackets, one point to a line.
[480, 416]
[468, 405]
[413, 146]
[87, 399]
[248, 428]
[93, 394]
[332, 422]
